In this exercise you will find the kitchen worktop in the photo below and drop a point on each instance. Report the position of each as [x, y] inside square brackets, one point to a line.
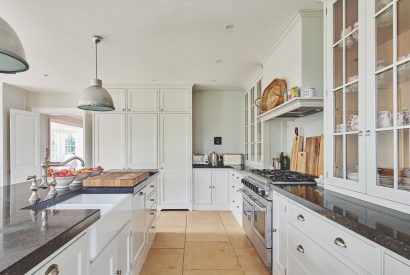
[384, 226]
[208, 166]
[29, 233]
[27, 237]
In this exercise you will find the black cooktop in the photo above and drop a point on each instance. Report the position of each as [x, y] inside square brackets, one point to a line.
[284, 175]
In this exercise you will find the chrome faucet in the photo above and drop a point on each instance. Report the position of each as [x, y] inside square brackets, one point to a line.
[44, 172]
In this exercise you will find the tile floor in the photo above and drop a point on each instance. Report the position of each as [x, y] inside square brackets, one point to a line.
[201, 243]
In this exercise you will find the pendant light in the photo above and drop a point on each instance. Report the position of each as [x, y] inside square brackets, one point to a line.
[95, 97]
[12, 56]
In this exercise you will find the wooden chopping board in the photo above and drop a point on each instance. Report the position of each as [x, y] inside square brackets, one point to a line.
[116, 179]
[301, 163]
[321, 164]
[296, 148]
[312, 155]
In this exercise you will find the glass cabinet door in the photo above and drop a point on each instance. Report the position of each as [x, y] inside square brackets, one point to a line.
[391, 112]
[345, 90]
[258, 124]
[246, 127]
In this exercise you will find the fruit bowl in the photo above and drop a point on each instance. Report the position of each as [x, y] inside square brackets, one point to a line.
[96, 171]
[62, 182]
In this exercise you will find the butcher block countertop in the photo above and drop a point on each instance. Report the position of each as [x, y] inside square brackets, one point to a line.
[117, 179]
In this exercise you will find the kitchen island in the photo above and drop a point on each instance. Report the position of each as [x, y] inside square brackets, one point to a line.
[31, 233]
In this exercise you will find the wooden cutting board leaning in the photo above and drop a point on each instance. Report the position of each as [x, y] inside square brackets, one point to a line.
[296, 148]
[301, 165]
[116, 179]
[312, 149]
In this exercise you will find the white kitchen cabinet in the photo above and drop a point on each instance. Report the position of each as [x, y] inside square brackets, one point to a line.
[175, 100]
[74, 259]
[211, 189]
[175, 161]
[220, 187]
[202, 186]
[142, 141]
[138, 227]
[313, 257]
[119, 98]
[116, 256]
[279, 235]
[110, 141]
[368, 125]
[235, 196]
[395, 266]
[143, 100]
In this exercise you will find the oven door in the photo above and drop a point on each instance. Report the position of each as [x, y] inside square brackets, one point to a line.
[247, 215]
[262, 222]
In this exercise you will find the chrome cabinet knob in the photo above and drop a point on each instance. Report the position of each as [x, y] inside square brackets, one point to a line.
[340, 242]
[300, 217]
[300, 249]
[119, 272]
[52, 270]
[141, 193]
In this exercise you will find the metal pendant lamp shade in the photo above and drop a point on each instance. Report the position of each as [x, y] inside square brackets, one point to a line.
[95, 97]
[12, 56]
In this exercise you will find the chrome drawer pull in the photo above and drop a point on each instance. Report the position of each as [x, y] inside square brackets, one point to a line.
[300, 217]
[52, 270]
[152, 186]
[300, 249]
[340, 242]
[152, 199]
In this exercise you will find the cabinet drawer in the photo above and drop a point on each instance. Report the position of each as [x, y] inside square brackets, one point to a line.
[313, 257]
[360, 252]
[151, 198]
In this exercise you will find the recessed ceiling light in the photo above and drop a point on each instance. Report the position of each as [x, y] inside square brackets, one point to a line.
[229, 26]
[46, 75]
[219, 61]
[213, 80]
[155, 80]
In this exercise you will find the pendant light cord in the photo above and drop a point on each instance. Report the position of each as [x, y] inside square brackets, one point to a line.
[96, 60]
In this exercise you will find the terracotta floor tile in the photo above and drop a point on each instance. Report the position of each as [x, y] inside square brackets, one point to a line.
[203, 217]
[169, 237]
[210, 255]
[163, 262]
[197, 232]
[228, 218]
[213, 272]
[171, 221]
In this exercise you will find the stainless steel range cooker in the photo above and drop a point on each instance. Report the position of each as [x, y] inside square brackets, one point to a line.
[257, 206]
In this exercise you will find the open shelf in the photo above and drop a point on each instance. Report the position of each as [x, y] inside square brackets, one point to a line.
[296, 107]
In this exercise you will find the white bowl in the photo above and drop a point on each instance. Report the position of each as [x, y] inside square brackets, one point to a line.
[63, 182]
[82, 176]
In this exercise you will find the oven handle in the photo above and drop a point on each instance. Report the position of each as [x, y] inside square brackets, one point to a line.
[260, 206]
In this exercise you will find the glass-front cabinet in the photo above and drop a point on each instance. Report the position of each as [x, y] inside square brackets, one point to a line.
[345, 91]
[368, 96]
[253, 126]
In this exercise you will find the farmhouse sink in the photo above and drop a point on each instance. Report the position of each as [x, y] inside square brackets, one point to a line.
[104, 202]
[115, 213]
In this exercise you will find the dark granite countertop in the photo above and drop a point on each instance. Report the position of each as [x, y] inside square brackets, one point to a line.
[208, 166]
[384, 226]
[27, 237]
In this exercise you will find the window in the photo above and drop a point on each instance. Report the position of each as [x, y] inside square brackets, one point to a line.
[70, 144]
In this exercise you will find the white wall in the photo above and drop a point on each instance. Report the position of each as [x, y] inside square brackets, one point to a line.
[218, 114]
[52, 100]
[11, 98]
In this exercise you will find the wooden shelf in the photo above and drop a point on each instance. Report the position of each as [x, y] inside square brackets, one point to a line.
[296, 107]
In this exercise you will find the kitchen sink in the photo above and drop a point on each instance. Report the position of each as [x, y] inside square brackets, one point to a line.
[115, 212]
[104, 202]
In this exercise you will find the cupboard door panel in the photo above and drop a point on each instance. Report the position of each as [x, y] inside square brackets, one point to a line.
[142, 141]
[138, 226]
[175, 190]
[176, 100]
[203, 185]
[118, 97]
[220, 183]
[110, 141]
[143, 100]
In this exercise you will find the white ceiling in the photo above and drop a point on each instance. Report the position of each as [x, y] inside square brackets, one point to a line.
[170, 41]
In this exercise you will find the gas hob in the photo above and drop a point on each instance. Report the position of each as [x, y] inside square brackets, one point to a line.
[284, 176]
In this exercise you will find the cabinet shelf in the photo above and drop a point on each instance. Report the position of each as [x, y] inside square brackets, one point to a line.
[296, 107]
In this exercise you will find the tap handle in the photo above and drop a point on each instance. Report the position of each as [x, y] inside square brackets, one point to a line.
[34, 177]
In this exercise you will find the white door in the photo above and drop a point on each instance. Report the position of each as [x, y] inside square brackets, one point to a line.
[24, 145]
[138, 227]
[202, 186]
[279, 237]
[176, 100]
[118, 97]
[143, 141]
[109, 141]
[88, 138]
[143, 100]
[123, 252]
[104, 264]
[220, 187]
[175, 161]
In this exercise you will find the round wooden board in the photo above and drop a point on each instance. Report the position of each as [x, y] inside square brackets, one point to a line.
[273, 94]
